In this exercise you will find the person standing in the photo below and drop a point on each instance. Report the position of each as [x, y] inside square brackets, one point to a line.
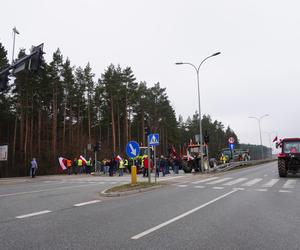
[121, 167]
[126, 164]
[75, 166]
[88, 165]
[111, 167]
[33, 167]
[79, 164]
[69, 166]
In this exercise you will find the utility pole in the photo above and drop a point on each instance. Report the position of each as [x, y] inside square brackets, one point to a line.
[15, 31]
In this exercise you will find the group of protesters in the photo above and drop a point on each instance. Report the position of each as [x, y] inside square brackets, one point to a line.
[79, 166]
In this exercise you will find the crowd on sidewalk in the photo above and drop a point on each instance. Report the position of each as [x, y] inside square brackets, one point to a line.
[116, 166]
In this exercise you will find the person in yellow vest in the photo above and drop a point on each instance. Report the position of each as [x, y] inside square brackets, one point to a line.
[126, 165]
[80, 166]
[121, 167]
[88, 165]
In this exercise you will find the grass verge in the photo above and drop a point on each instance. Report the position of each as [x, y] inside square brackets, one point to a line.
[129, 187]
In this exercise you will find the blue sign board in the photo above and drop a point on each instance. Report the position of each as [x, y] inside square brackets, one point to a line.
[132, 149]
[231, 146]
[153, 139]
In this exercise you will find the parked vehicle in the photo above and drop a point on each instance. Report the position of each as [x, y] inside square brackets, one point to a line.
[289, 158]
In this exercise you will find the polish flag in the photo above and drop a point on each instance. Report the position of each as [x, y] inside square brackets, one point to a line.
[83, 159]
[63, 163]
[118, 158]
[275, 139]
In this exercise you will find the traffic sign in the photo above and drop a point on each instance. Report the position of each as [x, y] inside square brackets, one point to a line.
[231, 146]
[153, 139]
[132, 149]
[231, 140]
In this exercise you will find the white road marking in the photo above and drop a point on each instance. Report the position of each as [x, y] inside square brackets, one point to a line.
[252, 182]
[235, 181]
[140, 235]
[86, 203]
[285, 191]
[181, 185]
[199, 186]
[170, 178]
[33, 214]
[289, 184]
[113, 182]
[261, 190]
[45, 190]
[239, 189]
[218, 188]
[205, 180]
[271, 183]
[221, 180]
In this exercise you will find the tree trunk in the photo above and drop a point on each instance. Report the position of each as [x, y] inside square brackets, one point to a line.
[143, 126]
[39, 131]
[54, 123]
[113, 126]
[89, 119]
[126, 121]
[119, 131]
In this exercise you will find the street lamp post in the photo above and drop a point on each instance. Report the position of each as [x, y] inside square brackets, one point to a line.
[199, 107]
[14, 41]
[258, 120]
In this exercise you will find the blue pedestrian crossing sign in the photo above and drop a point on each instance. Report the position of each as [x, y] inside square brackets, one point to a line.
[153, 139]
[132, 149]
[231, 146]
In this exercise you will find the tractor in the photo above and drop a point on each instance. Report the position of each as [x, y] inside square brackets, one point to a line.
[289, 157]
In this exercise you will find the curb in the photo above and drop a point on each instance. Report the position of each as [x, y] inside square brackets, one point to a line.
[136, 191]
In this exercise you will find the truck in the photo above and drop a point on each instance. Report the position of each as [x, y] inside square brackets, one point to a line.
[289, 157]
[234, 155]
[192, 160]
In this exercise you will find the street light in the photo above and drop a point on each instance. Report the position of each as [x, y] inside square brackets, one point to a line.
[199, 107]
[258, 120]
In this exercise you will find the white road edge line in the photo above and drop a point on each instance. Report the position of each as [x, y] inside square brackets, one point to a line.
[180, 216]
[33, 214]
[86, 203]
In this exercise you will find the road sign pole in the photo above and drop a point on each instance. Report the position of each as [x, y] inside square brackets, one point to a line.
[155, 163]
[149, 162]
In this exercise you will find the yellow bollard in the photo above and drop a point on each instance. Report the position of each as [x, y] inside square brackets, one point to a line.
[133, 175]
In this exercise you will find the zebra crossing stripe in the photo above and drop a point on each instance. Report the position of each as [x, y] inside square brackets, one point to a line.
[219, 181]
[271, 183]
[205, 180]
[235, 181]
[252, 182]
[289, 184]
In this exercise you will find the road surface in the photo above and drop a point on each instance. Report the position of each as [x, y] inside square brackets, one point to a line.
[249, 208]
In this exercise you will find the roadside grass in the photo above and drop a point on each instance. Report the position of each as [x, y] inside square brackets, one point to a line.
[129, 187]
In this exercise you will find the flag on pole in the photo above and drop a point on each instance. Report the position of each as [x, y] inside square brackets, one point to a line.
[83, 159]
[275, 139]
[63, 163]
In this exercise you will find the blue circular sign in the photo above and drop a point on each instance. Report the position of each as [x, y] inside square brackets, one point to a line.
[132, 149]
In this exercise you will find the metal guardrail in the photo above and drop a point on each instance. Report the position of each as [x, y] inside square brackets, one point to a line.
[231, 165]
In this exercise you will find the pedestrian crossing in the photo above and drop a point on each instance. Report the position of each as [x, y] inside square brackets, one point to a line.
[243, 183]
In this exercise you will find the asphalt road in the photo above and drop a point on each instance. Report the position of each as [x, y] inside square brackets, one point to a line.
[245, 209]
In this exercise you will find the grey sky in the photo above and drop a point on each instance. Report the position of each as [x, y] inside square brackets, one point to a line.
[257, 72]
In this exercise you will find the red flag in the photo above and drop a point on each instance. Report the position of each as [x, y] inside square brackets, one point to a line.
[275, 139]
[62, 163]
[83, 159]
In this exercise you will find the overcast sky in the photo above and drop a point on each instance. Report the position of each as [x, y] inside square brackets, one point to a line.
[256, 74]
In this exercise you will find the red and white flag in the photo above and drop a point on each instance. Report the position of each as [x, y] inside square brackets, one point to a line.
[83, 159]
[118, 158]
[275, 139]
[63, 163]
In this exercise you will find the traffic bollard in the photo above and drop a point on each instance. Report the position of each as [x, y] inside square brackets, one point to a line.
[133, 175]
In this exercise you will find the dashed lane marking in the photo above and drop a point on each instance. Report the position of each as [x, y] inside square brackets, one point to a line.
[289, 184]
[218, 188]
[205, 180]
[33, 214]
[199, 186]
[219, 181]
[235, 181]
[181, 185]
[285, 191]
[271, 183]
[261, 189]
[86, 203]
[252, 182]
